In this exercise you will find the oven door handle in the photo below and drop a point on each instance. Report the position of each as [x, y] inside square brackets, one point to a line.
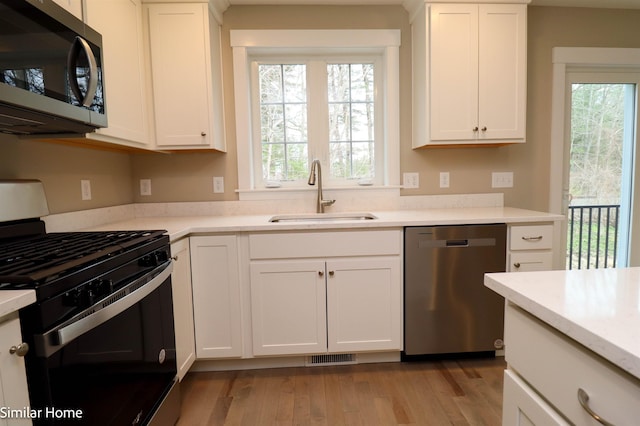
[74, 330]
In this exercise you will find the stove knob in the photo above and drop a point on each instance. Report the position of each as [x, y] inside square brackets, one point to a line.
[71, 298]
[149, 260]
[106, 286]
[86, 298]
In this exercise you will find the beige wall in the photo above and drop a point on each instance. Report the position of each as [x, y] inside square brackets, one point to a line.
[188, 176]
[61, 168]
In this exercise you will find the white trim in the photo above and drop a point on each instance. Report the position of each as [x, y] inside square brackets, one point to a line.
[565, 58]
[315, 38]
[247, 43]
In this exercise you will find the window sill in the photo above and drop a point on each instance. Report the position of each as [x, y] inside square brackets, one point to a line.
[296, 193]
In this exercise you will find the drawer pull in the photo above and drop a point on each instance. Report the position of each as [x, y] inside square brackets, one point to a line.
[538, 238]
[583, 398]
[517, 265]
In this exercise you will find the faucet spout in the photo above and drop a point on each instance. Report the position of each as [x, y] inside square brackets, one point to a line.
[316, 175]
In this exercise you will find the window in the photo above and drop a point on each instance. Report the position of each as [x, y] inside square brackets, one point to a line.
[327, 94]
[345, 94]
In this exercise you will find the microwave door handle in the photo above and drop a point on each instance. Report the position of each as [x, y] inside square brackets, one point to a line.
[72, 58]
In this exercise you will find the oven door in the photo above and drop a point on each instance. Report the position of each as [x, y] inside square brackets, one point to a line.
[114, 363]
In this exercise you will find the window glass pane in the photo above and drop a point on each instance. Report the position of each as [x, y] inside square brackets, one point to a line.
[351, 120]
[338, 82]
[271, 124]
[283, 121]
[296, 130]
[295, 83]
[270, 83]
[362, 82]
[362, 122]
[339, 122]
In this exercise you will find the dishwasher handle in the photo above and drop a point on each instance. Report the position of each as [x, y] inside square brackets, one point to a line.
[457, 243]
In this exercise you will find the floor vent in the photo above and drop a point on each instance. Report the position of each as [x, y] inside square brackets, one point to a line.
[331, 359]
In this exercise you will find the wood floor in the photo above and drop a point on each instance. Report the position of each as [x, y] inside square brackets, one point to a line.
[452, 392]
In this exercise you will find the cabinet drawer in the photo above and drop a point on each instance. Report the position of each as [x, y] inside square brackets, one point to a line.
[324, 244]
[557, 366]
[523, 406]
[530, 261]
[534, 237]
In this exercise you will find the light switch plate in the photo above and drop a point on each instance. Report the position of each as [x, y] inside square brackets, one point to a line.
[410, 180]
[145, 186]
[218, 184]
[444, 179]
[85, 188]
[502, 180]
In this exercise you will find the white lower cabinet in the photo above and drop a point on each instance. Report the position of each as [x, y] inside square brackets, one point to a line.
[522, 406]
[183, 306]
[547, 370]
[216, 296]
[530, 247]
[13, 379]
[288, 307]
[364, 304]
[348, 302]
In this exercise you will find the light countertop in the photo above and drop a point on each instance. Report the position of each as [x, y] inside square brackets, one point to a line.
[13, 300]
[598, 308]
[178, 227]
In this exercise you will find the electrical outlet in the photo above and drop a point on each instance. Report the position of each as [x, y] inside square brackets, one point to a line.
[145, 186]
[444, 179]
[411, 180]
[218, 184]
[85, 189]
[502, 180]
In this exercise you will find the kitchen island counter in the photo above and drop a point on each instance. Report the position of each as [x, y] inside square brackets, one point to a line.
[598, 308]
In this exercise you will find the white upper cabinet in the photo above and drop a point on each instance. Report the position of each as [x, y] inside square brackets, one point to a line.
[72, 6]
[469, 74]
[186, 76]
[120, 23]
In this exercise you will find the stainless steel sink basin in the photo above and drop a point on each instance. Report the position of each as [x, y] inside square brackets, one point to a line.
[322, 217]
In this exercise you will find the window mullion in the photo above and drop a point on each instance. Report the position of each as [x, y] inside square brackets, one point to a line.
[318, 112]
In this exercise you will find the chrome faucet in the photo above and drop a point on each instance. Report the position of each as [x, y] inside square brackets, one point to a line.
[316, 174]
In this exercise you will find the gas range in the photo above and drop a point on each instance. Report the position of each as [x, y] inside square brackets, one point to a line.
[70, 271]
[101, 333]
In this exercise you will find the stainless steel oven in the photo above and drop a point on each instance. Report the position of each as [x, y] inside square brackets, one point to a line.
[101, 343]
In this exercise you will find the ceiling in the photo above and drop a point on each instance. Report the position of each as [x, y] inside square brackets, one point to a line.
[619, 4]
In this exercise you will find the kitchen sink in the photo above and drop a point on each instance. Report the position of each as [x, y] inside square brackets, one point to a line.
[322, 217]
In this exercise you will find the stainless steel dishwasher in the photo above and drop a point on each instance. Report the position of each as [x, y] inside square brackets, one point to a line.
[447, 307]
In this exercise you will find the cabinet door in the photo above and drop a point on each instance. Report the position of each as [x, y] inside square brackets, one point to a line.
[502, 71]
[453, 47]
[13, 379]
[179, 46]
[183, 306]
[364, 304]
[123, 69]
[522, 406]
[72, 6]
[288, 307]
[216, 296]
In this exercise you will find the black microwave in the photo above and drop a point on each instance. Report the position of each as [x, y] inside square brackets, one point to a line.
[51, 74]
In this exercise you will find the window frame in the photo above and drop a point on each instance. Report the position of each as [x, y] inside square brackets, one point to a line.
[330, 46]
